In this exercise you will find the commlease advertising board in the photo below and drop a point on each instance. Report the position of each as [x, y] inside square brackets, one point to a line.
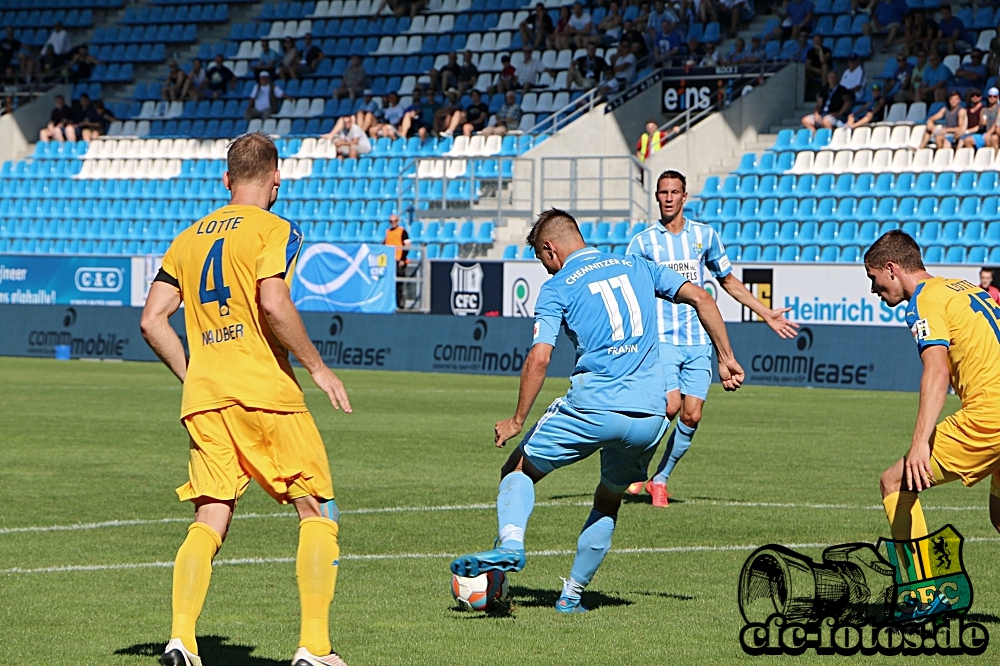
[345, 278]
[62, 280]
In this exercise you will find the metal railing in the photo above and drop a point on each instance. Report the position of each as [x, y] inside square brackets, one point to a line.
[602, 188]
[413, 287]
[560, 118]
[470, 187]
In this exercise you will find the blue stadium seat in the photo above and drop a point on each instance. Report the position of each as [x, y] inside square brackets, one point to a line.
[789, 253]
[847, 234]
[973, 233]
[934, 254]
[809, 253]
[830, 254]
[510, 252]
[749, 254]
[976, 255]
[747, 187]
[748, 164]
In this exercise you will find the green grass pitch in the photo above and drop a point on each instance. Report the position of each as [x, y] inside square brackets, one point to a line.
[84, 443]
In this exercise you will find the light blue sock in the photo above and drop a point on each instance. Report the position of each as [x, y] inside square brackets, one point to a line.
[593, 544]
[677, 446]
[514, 504]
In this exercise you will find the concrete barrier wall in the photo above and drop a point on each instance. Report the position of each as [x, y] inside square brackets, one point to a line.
[19, 130]
[834, 356]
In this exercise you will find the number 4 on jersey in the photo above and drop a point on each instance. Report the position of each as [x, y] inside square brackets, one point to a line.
[606, 289]
[219, 293]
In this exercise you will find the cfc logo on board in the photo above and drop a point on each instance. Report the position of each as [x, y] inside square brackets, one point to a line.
[466, 289]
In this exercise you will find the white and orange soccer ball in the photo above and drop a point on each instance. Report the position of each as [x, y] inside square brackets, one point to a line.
[481, 592]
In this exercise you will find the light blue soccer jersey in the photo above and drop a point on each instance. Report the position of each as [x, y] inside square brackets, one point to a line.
[696, 247]
[605, 302]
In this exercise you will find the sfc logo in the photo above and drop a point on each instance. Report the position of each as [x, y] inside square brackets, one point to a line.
[910, 602]
[466, 289]
[99, 279]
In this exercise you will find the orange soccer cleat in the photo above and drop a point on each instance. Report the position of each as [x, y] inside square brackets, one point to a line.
[659, 493]
[635, 488]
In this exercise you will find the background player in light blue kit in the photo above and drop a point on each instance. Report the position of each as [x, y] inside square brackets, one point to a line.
[689, 248]
[615, 403]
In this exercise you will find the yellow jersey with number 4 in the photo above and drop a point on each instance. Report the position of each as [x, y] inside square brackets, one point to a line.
[960, 316]
[216, 264]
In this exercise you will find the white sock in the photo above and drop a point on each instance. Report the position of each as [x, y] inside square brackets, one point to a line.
[571, 588]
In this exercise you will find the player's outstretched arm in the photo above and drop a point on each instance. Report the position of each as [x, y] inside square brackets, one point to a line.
[933, 391]
[532, 379]
[775, 318]
[730, 372]
[162, 302]
[287, 324]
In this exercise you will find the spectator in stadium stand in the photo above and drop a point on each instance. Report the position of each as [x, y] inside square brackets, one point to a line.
[755, 53]
[174, 86]
[956, 122]
[661, 12]
[917, 77]
[197, 81]
[508, 117]
[8, 105]
[81, 65]
[507, 79]
[950, 29]
[354, 80]
[560, 39]
[972, 74]
[974, 109]
[796, 16]
[103, 120]
[59, 127]
[587, 71]
[736, 52]
[993, 61]
[819, 63]
[986, 284]
[888, 17]
[289, 59]
[901, 90]
[368, 114]
[579, 28]
[925, 30]
[419, 115]
[449, 115]
[220, 78]
[936, 80]
[986, 134]
[396, 236]
[833, 105]
[692, 51]
[471, 119]
[711, 58]
[86, 119]
[609, 30]
[392, 116]
[10, 77]
[873, 111]
[349, 139]
[733, 8]
[447, 76]
[537, 28]
[652, 140]
[265, 98]
[622, 68]
[9, 46]
[635, 40]
[59, 41]
[667, 44]
[267, 59]
[468, 73]
[529, 71]
[309, 58]
[49, 62]
[853, 77]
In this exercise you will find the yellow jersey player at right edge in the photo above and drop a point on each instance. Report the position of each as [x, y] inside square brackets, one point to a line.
[956, 326]
[688, 247]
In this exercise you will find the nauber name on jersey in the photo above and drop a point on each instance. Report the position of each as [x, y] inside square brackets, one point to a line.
[224, 334]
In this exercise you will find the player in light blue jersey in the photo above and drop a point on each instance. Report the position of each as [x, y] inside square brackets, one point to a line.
[615, 403]
[689, 248]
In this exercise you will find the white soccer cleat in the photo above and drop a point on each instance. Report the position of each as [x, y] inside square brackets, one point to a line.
[306, 658]
[175, 654]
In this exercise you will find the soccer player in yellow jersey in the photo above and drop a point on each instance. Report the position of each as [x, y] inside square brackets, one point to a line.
[956, 326]
[242, 406]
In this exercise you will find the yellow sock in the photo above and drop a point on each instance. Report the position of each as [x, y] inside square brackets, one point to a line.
[316, 569]
[906, 522]
[192, 573]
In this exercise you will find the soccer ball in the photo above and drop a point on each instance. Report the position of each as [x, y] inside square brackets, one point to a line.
[481, 592]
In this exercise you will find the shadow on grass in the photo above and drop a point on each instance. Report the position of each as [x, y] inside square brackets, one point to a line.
[526, 597]
[646, 499]
[666, 595]
[215, 650]
[573, 496]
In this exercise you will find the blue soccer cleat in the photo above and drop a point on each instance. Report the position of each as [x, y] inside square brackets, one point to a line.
[568, 605]
[504, 559]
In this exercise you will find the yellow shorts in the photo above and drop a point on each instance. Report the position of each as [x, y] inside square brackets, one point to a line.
[965, 448]
[283, 452]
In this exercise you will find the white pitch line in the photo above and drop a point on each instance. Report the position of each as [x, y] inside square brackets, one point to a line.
[72, 568]
[452, 507]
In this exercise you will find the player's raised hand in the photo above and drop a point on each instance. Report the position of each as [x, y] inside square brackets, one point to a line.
[917, 466]
[330, 384]
[505, 430]
[783, 327]
[731, 374]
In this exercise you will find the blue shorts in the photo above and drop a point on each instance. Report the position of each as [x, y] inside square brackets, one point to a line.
[565, 435]
[687, 368]
[980, 139]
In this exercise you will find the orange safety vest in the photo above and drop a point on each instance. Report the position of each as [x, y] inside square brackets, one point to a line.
[645, 150]
[395, 237]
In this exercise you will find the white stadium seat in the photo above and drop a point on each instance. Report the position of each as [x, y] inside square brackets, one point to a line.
[841, 138]
[916, 137]
[881, 161]
[862, 161]
[984, 159]
[823, 162]
[803, 162]
[899, 137]
[860, 137]
[880, 137]
[917, 113]
[896, 113]
[842, 161]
